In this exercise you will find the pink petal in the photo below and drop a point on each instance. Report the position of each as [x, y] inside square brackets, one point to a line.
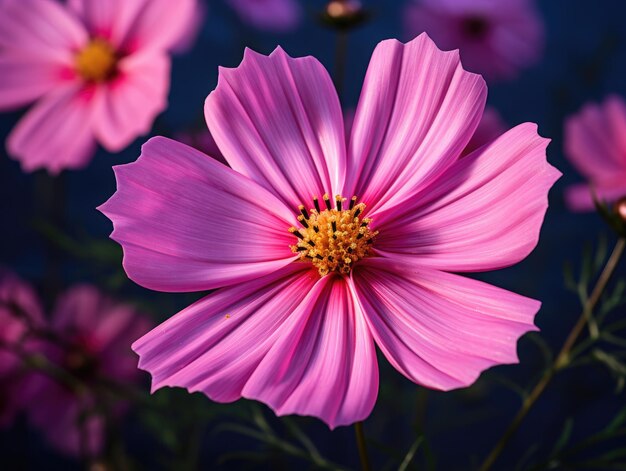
[161, 24]
[189, 223]
[57, 413]
[83, 308]
[278, 121]
[440, 330]
[55, 134]
[137, 24]
[214, 345]
[41, 27]
[19, 308]
[324, 363]
[193, 29]
[126, 108]
[484, 213]
[580, 198]
[24, 77]
[110, 20]
[595, 140]
[103, 326]
[417, 111]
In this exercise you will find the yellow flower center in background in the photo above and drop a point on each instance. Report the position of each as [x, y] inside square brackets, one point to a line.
[335, 238]
[97, 62]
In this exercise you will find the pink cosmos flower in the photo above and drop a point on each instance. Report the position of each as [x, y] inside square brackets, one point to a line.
[496, 38]
[270, 15]
[97, 70]
[19, 311]
[310, 283]
[595, 143]
[94, 336]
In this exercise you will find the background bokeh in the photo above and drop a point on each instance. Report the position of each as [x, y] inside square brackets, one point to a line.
[56, 241]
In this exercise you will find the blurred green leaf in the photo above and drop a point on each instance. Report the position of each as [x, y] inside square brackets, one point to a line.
[601, 254]
[544, 348]
[568, 277]
[408, 458]
[564, 437]
[510, 385]
[299, 435]
[613, 300]
[610, 361]
[274, 441]
[617, 422]
[525, 462]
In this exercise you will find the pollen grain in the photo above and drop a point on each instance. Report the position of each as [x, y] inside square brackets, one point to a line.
[335, 238]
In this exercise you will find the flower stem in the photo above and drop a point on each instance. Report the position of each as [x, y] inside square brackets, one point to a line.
[341, 56]
[563, 358]
[360, 441]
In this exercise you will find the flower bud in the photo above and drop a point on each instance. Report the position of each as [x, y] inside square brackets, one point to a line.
[619, 208]
[344, 14]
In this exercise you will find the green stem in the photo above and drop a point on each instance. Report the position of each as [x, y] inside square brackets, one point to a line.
[360, 441]
[562, 359]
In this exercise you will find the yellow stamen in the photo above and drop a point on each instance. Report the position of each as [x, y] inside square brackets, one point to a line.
[335, 238]
[96, 62]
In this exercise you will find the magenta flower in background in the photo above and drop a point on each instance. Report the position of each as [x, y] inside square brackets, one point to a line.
[94, 334]
[323, 249]
[269, 15]
[491, 126]
[19, 312]
[202, 140]
[595, 143]
[497, 38]
[97, 70]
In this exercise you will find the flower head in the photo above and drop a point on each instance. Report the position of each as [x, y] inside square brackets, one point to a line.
[270, 15]
[97, 71]
[321, 248]
[91, 341]
[595, 145]
[496, 38]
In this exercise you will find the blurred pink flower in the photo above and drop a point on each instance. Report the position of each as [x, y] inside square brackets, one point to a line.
[19, 311]
[306, 292]
[270, 15]
[595, 143]
[491, 126]
[497, 38]
[202, 140]
[98, 71]
[94, 334]
[192, 30]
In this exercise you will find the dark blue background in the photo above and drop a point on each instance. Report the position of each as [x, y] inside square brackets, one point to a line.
[585, 59]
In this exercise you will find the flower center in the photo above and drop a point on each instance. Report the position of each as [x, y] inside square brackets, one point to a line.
[475, 27]
[333, 239]
[78, 356]
[96, 62]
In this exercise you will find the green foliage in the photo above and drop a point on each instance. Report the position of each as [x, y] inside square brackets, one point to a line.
[602, 450]
[296, 445]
